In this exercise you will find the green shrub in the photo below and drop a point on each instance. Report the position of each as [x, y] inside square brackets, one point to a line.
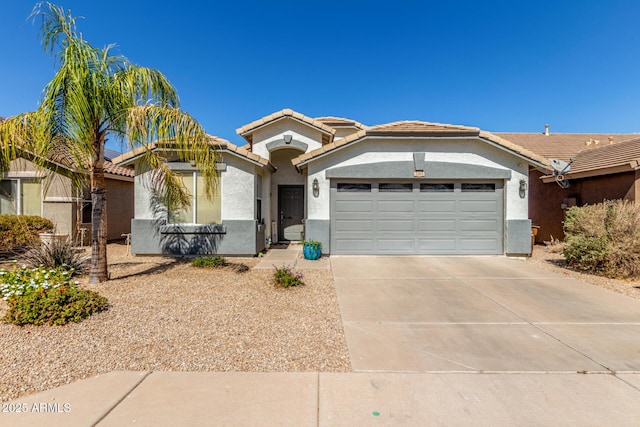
[217, 261]
[286, 277]
[21, 230]
[604, 238]
[51, 306]
[46, 296]
[57, 254]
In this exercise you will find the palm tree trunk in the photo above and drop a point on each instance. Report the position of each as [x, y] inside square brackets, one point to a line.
[98, 272]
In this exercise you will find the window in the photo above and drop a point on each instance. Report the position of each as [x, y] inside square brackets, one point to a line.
[437, 188]
[202, 209]
[478, 188]
[353, 188]
[395, 187]
[21, 196]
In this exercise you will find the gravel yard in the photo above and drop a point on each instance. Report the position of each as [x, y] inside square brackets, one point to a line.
[165, 315]
[551, 258]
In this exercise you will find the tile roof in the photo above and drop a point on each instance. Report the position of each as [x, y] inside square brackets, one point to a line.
[418, 129]
[562, 145]
[113, 169]
[621, 156]
[217, 142]
[247, 130]
[333, 121]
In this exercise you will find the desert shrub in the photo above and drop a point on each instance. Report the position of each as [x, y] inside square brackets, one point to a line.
[604, 238]
[57, 254]
[208, 261]
[286, 277]
[46, 296]
[21, 230]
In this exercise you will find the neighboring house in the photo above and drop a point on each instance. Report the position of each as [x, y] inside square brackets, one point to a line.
[603, 169]
[26, 190]
[400, 188]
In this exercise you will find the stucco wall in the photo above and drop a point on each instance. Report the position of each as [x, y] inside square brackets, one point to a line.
[275, 131]
[238, 189]
[465, 151]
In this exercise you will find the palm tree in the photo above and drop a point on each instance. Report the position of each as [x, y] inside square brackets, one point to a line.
[94, 96]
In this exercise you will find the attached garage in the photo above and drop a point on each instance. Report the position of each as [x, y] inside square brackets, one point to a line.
[415, 187]
[417, 217]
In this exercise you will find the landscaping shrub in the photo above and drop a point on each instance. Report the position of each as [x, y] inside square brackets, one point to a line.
[46, 296]
[57, 254]
[604, 238]
[286, 277]
[21, 230]
[217, 261]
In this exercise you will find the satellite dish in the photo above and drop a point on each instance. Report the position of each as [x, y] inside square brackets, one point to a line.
[560, 168]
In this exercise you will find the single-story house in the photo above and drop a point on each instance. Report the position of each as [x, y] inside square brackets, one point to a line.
[407, 187]
[602, 168]
[27, 190]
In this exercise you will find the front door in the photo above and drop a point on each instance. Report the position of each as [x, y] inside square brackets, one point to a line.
[291, 212]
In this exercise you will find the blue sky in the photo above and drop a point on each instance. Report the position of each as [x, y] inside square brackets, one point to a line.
[498, 65]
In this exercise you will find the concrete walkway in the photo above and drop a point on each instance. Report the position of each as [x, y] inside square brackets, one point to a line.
[478, 341]
[291, 256]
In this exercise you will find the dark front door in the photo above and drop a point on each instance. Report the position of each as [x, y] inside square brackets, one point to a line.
[291, 212]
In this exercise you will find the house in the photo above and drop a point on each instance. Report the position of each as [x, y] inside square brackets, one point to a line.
[27, 190]
[408, 187]
[602, 169]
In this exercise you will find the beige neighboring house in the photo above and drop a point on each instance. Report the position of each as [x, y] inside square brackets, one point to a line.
[26, 190]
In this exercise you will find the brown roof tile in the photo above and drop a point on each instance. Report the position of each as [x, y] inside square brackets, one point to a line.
[562, 145]
[625, 153]
[418, 128]
[219, 143]
[340, 122]
[247, 130]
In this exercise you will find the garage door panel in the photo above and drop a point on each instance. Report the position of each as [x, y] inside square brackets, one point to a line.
[396, 206]
[437, 206]
[476, 206]
[347, 225]
[437, 225]
[395, 225]
[479, 225]
[354, 206]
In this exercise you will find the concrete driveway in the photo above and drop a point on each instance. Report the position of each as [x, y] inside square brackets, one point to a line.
[481, 314]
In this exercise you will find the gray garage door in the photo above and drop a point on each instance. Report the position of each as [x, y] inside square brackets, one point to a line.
[454, 217]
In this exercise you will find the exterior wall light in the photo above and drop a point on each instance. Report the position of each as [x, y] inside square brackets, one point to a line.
[315, 187]
[523, 188]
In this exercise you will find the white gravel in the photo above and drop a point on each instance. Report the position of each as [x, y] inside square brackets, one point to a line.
[165, 315]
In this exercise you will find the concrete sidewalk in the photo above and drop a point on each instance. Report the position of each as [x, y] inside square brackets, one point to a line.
[333, 399]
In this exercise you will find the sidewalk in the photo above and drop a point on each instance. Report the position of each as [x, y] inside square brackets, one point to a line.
[333, 399]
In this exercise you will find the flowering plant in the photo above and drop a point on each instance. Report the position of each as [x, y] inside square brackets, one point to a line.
[286, 276]
[22, 280]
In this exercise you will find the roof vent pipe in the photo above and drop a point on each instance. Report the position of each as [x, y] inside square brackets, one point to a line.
[546, 130]
[610, 140]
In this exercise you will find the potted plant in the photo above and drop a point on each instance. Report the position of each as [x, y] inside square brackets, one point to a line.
[311, 249]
